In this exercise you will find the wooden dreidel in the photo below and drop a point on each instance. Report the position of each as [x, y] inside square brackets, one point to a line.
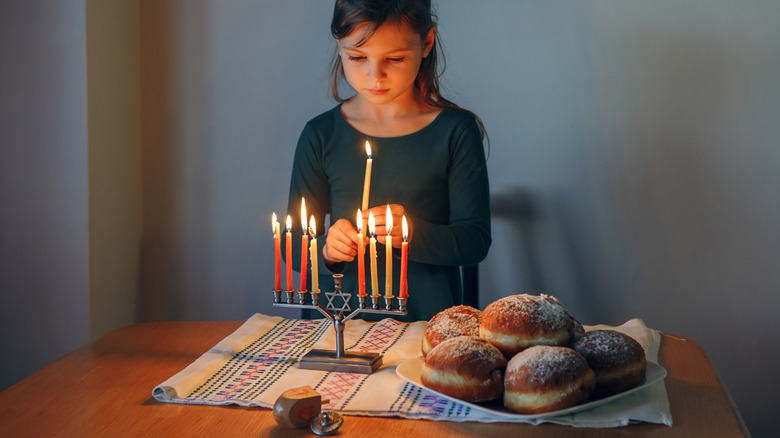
[297, 407]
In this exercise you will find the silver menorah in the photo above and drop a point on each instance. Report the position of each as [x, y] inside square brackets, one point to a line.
[338, 359]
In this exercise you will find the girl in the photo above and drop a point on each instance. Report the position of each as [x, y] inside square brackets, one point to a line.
[428, 159]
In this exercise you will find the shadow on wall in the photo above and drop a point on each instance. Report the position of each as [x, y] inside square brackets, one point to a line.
[518, 209]
[176, 156]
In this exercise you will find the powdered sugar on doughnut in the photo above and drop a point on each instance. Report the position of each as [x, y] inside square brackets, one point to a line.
[544, 365]
[466, 349]
[455, 324]
[542, 309]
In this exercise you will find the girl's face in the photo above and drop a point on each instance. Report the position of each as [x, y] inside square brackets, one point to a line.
[385, 66]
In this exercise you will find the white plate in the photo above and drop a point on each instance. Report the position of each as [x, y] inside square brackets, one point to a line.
[411, 369]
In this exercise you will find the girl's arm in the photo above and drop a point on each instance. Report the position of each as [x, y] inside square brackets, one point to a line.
[465, 240]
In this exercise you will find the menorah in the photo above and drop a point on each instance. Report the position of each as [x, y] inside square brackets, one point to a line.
[338, 359]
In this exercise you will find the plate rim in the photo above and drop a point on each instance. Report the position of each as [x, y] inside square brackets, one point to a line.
[409, 370]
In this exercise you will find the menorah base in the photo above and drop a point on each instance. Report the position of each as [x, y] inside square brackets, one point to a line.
[348, 362]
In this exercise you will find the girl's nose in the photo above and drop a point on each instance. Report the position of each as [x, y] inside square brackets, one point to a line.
[376, 70]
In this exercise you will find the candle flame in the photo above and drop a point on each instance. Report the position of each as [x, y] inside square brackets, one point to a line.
[359, 221]
[404, 228]
[303, 215]
[273, 222]
[312, 227]
[289, 223]
[371, 224]
[389, 224]
[368, 149]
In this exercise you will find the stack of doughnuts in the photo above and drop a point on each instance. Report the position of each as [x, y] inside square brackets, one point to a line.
[529, 350]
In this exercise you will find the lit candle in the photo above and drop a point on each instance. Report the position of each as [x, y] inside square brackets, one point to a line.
[277, 253]
[361, 257]
[372, 255]
[367, 182]
[304, 246]
[389, 256]
[288, 253]
[403, 290]
[315, 268]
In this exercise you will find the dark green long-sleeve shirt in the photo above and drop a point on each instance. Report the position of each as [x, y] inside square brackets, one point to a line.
[437, 173]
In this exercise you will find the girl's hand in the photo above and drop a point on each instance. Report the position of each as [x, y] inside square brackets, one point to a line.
[380, 221]
[341, 243]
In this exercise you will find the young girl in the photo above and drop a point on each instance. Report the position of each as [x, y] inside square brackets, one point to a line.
[427, 153]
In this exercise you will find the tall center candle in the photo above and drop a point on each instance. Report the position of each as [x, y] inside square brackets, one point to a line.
[389, 256]
[304, 246]
[403, 288]
[288, 253]
[367, 181]
[315, 267]
[277, 253]
[372, 255]
[361, 251]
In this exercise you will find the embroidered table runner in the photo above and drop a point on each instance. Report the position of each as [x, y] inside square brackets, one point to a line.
[256, 363]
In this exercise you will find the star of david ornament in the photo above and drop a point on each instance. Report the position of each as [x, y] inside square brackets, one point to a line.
[331, 296]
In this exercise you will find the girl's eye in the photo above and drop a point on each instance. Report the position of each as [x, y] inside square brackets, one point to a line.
[395, 59]
[356, 58]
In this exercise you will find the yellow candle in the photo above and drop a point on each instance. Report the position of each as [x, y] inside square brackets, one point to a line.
[389, 256]
[367, 182]
[372, 255]
[315, 269]
[403, 289]
[277, 253]
[304, 246]
[361, 257]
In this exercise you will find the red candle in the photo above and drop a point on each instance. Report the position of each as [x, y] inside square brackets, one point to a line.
[304, 247]
[288, 253]
[404, 287]
[361, 257]
[277, 254]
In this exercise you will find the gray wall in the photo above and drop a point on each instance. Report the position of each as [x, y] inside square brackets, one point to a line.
[634, 163]
[44, 247]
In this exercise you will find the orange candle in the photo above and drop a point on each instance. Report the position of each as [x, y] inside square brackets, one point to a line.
[372, 255]
[403, 290]
[389, 255]
[277, 254]
[288, 253]
[361, 257]
[315, 267]
[304, 246]
[367, 181]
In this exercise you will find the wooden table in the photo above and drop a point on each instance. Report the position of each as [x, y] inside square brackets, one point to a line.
[105, 387]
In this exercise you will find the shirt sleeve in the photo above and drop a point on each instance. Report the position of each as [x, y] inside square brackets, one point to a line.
[465, 240]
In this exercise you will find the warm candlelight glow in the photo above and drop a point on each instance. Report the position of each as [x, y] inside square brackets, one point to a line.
[361, 250]
[389, 255]
[367, 182]
[389, 220]
[403, 288]
[372, 255]
[303, 216]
